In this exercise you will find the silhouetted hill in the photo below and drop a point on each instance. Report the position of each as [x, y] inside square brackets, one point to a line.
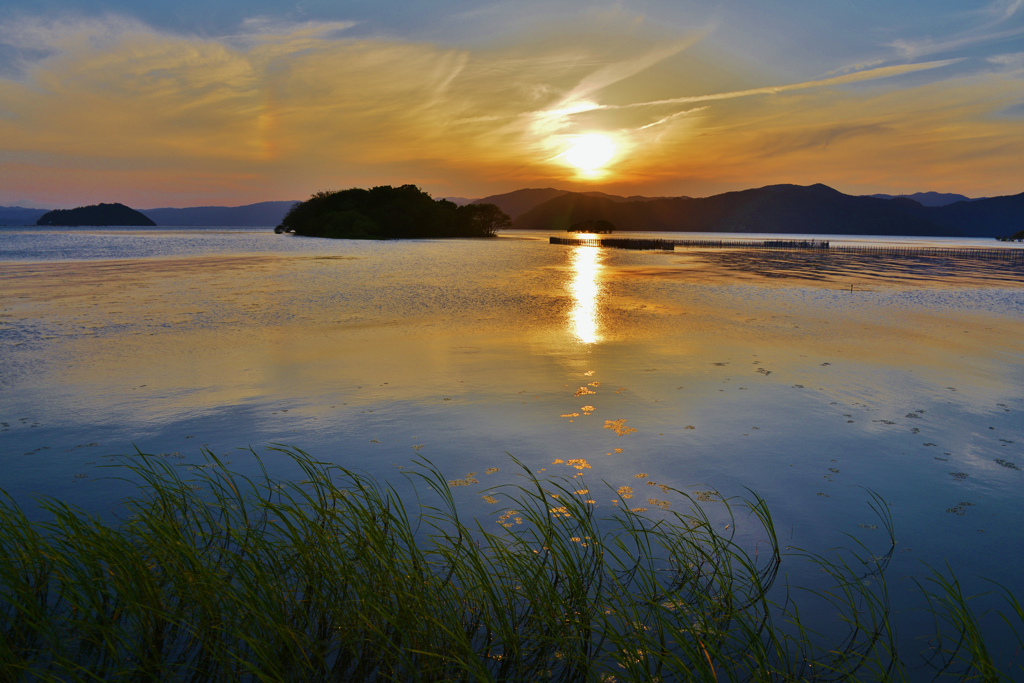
[815, 209]
[929, 198]
[98, 215]
[460, 201]
[520, 201]
[631, 198]
[259, 214]
[16, 215]
[991, 217]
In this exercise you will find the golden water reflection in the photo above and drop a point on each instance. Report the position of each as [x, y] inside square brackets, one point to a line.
[585, 288]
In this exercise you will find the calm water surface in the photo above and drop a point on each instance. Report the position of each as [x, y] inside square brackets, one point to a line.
[737, 370]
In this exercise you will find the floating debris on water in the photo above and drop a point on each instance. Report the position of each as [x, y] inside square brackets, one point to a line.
[579, 463]
[764, 372]
[466, 481]
[642, 475]
[558, 462]
[582, 492]
[1007, 464]
[491, 470]
[960, 508]
[625, 491]
[587, 409]
[638, 509]
[912, 415]
[959, 476]
[570, 415]
[619, 427]
[510, 514]
[594, 384]
[589, 373]
[663, 504]
[867, 526]
[689, 427]
[583, 391]
[618, 450]
[490, 499]
[706, 496]
[824, 495]
[560, 512]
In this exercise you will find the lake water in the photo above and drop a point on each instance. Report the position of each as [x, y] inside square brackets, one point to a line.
[807, 378]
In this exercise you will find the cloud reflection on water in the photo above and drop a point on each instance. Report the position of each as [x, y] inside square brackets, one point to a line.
[587, 264]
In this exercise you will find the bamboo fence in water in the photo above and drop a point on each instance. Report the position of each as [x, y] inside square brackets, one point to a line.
[997, 253]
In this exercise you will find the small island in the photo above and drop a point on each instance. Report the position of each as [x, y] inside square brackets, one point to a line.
[96, 215]
[387, 212]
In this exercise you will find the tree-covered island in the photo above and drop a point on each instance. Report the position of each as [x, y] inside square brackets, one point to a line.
[96, 215]
[387, 212]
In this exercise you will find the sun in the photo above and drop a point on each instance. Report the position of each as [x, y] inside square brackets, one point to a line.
[590, 153]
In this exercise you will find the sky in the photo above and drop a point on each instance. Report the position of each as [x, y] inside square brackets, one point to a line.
[224, 102]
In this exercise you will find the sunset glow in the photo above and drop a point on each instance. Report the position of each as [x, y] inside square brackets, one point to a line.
[590, 153]
[585, 288]
[134, 105]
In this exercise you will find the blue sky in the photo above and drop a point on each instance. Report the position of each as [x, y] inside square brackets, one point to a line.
[176, 104]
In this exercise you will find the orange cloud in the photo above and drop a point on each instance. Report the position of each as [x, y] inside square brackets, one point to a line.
[281, 110]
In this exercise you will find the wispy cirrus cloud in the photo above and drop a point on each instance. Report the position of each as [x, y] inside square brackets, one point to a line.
[856, 77]
[281, 109]
[991, 27]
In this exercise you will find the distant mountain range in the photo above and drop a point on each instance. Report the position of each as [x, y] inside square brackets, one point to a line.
[930, 198]
[814, 209]
[266, 214]
[263, 213]
[17, 215]
[521, 201]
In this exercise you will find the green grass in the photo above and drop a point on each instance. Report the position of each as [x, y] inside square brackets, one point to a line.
[220, 577]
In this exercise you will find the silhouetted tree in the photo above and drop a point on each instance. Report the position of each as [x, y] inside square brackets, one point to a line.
[485, 219]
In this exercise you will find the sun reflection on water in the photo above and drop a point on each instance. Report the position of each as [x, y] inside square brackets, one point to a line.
[584, 287]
